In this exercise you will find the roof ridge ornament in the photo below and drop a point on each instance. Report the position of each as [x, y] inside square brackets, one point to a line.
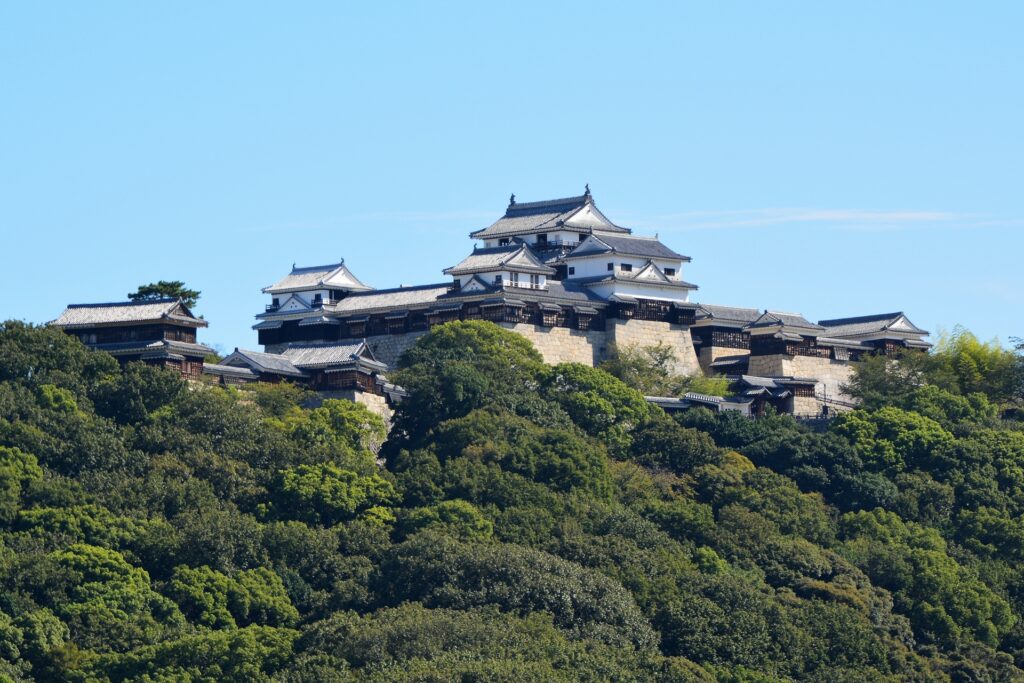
[512, 200]
[586, 190]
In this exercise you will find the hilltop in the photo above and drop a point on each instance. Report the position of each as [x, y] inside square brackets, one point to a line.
[530, 522]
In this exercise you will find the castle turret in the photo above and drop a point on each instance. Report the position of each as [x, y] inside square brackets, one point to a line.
[313, 287]
[510, 265]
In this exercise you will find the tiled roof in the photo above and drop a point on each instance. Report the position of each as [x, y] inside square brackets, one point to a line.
[321, 355]
[619, 276]
[773, 318]
[382, 299]
[565, 292]
[546, 206]
[517, 256]
[271, 363]
[85, 315]
[532, 217]
[727, 314]
[335, 275]
[153, 349]
[870, 325]
[299, 357]
[774, 382]
[603, 243]
[730, 362]
[218, 369]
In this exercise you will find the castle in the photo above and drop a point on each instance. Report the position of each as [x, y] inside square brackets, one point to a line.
[563, 275]
[578, 286]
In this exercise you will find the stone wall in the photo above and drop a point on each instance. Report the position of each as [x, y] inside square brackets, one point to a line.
[806, 406]
[387, 348]
[563, 344]
[831, 374]
[640, 333]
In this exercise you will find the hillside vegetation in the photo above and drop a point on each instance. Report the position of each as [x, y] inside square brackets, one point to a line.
[531, 523]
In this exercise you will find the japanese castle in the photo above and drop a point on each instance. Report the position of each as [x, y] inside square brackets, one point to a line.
[562, 274]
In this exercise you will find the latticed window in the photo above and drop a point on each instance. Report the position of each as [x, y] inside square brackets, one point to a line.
[357, 328]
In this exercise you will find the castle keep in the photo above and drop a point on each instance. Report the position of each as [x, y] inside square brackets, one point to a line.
[560, 273]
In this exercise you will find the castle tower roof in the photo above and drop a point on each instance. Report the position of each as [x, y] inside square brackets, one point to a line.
[333, 276]
[128, 313]
[514, 257]
[570, 213]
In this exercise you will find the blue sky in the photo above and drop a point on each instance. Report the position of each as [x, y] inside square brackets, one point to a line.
[829, 158]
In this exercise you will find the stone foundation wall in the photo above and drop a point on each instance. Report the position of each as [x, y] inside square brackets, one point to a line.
[376, 404]
[387, 348]
[805, 406]
[831, 374]
[640, 333]
[709, 354]
[562, 344]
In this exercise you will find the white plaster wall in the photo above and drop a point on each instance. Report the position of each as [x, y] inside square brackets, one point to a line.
[589, 266]
[641, 290]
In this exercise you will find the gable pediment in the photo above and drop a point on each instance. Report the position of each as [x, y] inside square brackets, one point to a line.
[475, 285]
[343, 279]
[651, 273]
[293, 303]
[523, 258]
[588, 216]
[901, 324]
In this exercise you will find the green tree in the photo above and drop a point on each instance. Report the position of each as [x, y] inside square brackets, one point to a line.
[106, 602]
[17, 471]
[443, 572]
[46, 355]
[455, 517]
[216, 600]
[600, 404]
[462, 366]
[166, 289]
[254, 654]
[327, 494]
[562, 459]
[651, 370]
[663, 442]
[344, 432]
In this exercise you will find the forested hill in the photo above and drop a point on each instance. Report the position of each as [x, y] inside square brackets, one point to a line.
[530, 524]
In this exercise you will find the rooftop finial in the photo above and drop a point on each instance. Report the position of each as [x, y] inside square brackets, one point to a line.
[587, 188]
[341, 261]
[293, 265]
[512, 200]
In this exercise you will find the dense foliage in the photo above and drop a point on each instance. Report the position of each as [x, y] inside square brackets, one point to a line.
[530, 523]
